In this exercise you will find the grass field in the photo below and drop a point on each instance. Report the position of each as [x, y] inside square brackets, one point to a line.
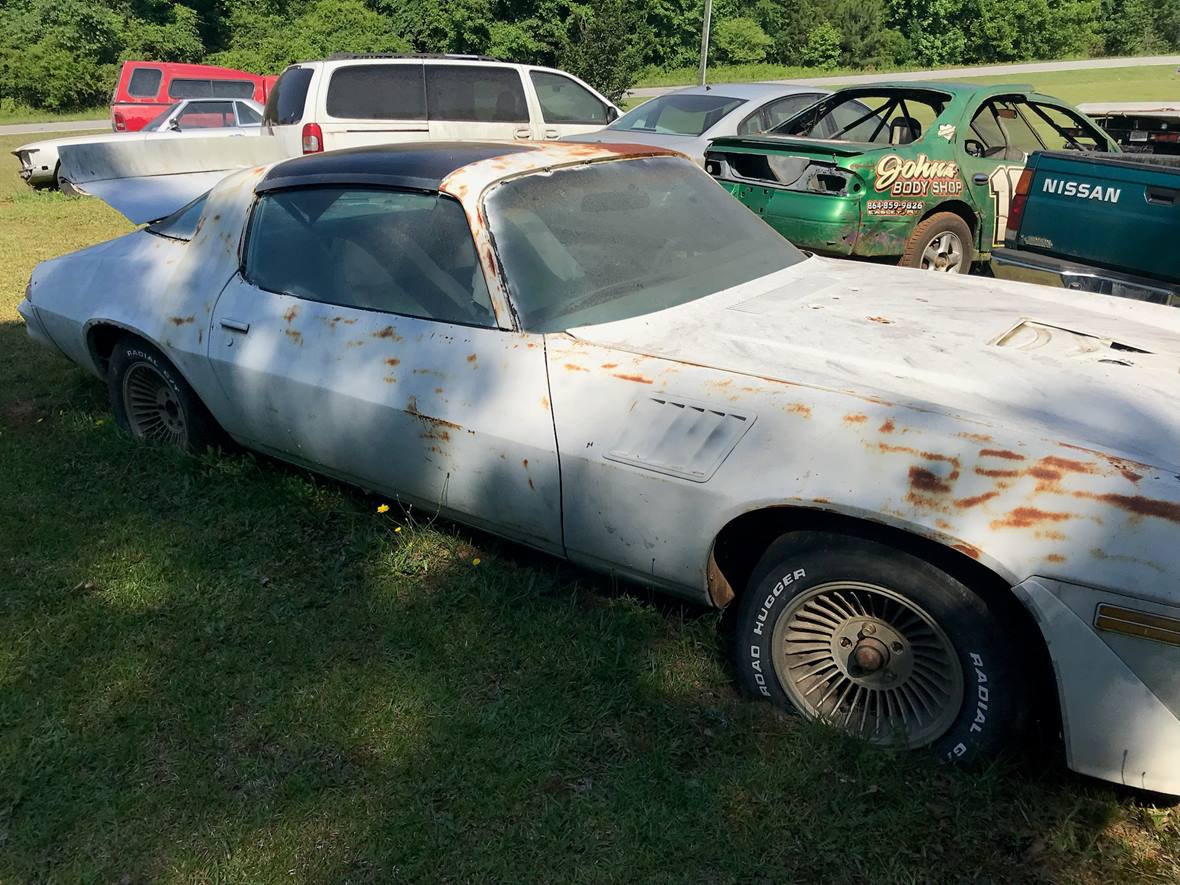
[1097, 84]
[19, 114]
[222, 669]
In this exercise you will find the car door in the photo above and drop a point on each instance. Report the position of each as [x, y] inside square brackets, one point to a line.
[376, 103]
[566, 106]
[995, 150]
[359, 340]
[475, 102]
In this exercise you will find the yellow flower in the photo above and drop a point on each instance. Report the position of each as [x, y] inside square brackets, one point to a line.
[475, 561]
[383, 508]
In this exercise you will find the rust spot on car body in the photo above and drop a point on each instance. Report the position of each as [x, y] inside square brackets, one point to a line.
[574, 367]
[295, 335]
[1055, 557]
[973, 552]
[1138, 505]
[800, 409]
[1067, 465]
[388, 332]
[1001, 453]
[616, 365]
[855, 418]
[887, 427]
[182, 321]
[975, 437]
[883, 320]
[471, 357]
[545, 403]
[393, 361]
[927, 481]
[1026, 517]
[997, 474]
[290, 314]
[412, 408]
[638, 379]
[975, 500]
[1130, 475]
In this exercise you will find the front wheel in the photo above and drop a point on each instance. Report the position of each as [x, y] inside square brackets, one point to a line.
[942, 243]
[151, 400]
[880, 644]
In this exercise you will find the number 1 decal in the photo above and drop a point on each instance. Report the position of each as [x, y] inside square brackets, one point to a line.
[1002, 185]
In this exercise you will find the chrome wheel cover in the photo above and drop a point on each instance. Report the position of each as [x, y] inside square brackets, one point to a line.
[869, 661]
[943, 254]
[153, 409]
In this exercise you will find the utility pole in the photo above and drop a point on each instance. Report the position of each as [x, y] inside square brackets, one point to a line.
[705, 39]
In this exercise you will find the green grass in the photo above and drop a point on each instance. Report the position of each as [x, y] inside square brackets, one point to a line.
[222, 669]
[19, 114]
[1095, 84]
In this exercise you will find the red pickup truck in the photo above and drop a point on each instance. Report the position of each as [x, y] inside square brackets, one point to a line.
[146, 88]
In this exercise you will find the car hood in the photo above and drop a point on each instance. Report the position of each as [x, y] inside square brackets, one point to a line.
[1088, 370]
[55, 143]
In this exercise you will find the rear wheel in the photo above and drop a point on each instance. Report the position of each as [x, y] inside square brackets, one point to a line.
[881, 644]
[152, 402]
[942, 243]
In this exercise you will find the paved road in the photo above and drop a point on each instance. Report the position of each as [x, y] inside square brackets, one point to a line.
[954, 73]
[71, 126]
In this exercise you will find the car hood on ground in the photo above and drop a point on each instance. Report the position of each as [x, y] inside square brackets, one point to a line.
[1087, 370]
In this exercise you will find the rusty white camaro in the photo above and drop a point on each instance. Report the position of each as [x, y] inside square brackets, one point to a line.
[926, 499]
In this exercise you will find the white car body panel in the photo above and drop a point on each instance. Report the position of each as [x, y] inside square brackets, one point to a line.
[995, 419]
[39, 160]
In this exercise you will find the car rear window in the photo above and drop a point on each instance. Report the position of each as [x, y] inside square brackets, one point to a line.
[144, 82]
[564, 101]
[181, 224]
[284, 104]
[864, 116]
[184, 87]
[690, 115]
[475, 93]
[377, 92]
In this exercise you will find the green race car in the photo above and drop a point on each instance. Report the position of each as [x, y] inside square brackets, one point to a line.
[920, 174]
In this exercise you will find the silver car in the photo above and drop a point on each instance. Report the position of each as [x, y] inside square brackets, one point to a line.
[688, 119]
[193, 118]
[940, 507]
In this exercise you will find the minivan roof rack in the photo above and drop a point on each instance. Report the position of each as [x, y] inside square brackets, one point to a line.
[350, 56]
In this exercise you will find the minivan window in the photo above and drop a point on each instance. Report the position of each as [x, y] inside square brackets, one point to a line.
[144, 82]
[284, 104]
[475, 93]
[564, 101]
[377, 92]
[402, 252]
[182, 87]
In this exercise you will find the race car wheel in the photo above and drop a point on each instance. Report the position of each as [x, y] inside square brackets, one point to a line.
[881, 644]
[152, 402]
[942, 243]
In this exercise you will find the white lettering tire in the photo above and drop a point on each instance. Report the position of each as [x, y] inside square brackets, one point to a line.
[880, 643]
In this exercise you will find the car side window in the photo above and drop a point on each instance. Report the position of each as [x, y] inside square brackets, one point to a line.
[247, 116]
[564, 101]
[475, 93]
[393, 251]
[1063, 130]
[206, 115]
[774, 113]
[1001, 128]
[144, 82]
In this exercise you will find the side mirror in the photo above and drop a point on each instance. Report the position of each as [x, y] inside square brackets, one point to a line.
[174, 124]
[612, 114]
[974, 147]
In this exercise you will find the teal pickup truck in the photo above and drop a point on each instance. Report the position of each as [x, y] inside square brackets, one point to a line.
[1106, 223]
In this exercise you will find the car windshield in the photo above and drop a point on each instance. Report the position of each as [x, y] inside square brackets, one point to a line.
[618, 239]
[157, 122]
[869, 117]
[690, 115]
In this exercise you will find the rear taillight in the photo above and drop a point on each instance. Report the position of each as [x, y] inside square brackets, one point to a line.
[313, 138]
[1170, 137]
[120, 122]
[1016, 207]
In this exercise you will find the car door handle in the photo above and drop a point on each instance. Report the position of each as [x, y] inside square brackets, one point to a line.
[979, 178]
[523, 132]
[551, 133]
[235, 326]
[1161, 196]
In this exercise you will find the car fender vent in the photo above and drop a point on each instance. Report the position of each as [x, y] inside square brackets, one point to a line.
[679, 437]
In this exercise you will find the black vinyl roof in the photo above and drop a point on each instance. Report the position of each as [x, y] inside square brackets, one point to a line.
[417, 165]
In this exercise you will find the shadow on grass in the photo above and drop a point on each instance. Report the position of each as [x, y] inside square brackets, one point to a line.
[221, 668]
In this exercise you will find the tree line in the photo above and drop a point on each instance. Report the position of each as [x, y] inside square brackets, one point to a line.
[64, 54]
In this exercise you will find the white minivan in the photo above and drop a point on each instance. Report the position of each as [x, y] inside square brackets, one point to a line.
[352, 100]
